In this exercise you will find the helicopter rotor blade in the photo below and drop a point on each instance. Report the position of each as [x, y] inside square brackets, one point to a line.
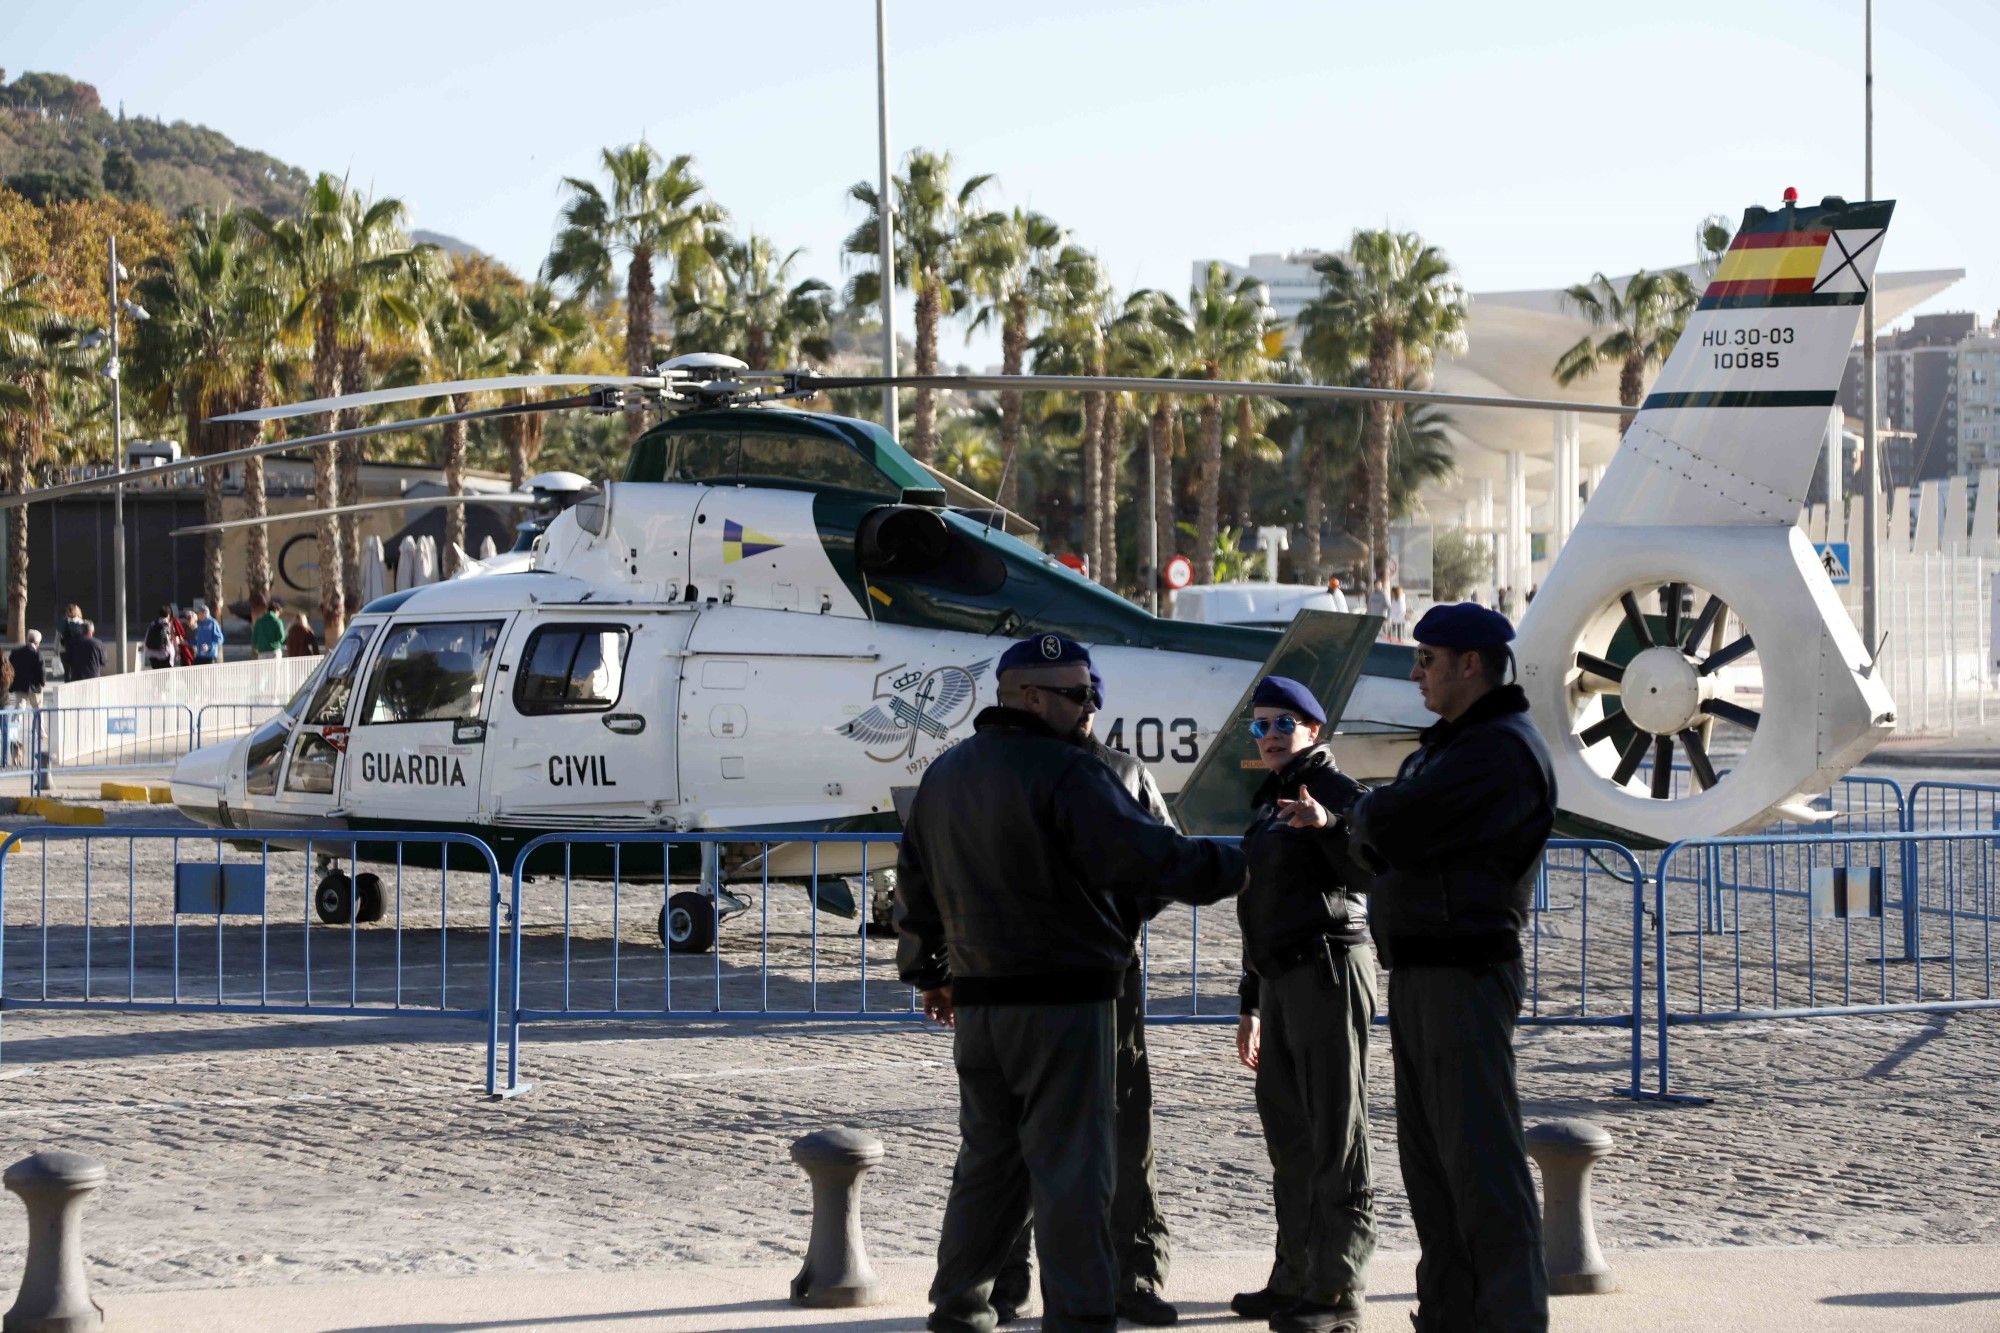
[1698, 760]
[1702, 624]
[1637, 620]
[1663, 767]
[1184, 388]
[1602, 729]
[1598, 666]
[411, 392]
[112, 480]
[401, 502]
[1629, 757]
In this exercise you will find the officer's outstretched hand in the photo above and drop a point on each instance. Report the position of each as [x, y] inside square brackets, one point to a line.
[1248, 1039]
[1304, 812]
[938, 1006]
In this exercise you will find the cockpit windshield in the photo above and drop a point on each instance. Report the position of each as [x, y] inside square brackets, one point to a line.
[726, 456]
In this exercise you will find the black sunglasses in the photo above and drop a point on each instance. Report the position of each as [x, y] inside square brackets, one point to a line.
[1080, 695]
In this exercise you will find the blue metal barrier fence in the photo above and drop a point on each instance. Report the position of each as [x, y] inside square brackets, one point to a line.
[583, 946]
[1798, 927]
[248, 921]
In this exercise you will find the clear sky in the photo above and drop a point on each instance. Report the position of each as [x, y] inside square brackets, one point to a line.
[1536, 142]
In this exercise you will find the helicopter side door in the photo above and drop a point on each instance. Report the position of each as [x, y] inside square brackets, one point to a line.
[309, 787]
[584, 722]
[417, 745]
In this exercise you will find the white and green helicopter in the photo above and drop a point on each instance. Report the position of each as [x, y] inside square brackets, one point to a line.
[777, 619]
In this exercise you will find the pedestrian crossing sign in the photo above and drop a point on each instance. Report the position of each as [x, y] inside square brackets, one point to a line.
[1833, 559]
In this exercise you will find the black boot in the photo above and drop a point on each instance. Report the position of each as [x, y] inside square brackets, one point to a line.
[1260, 1304]
[1343, 1316]
[1145, 1307]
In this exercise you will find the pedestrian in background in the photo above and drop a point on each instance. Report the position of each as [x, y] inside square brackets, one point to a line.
[301, 641]
[207, 636]
[30, 673]
[1308, 1000]
[1138, 1227]
[267, 630]
[1022, 863]
[72, 625]
[157, 648]
[1339, 597]
[27, 678]
[83, 656]
[1456, 841]
[1399, 613]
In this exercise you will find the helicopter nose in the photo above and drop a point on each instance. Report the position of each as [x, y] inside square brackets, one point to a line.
[199, 781]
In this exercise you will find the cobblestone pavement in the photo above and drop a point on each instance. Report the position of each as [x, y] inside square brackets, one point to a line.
[255, 1150]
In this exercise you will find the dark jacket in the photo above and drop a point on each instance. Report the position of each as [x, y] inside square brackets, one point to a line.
[1456, 839]
[29, 671]
[83, 659]
[1022, 863]
[1303, 885]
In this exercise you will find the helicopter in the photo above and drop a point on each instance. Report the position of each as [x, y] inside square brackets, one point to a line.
[777, 619]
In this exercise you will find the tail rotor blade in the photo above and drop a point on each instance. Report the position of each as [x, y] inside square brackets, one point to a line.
[1598, 666]
[1663, 767]
[1724, 655]
[1628, 759]
[1702, 624]
[1602, 729]
[1729, 712]
[1637, 620]
[1672, 594]
[1704, 771]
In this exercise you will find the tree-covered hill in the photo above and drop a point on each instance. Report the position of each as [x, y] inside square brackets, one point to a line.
[58, 142]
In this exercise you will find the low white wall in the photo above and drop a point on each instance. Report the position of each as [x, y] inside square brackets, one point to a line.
[148, 716]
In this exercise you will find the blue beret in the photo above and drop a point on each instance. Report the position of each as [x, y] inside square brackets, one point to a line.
[1284, 692]
[1463, 625]
[1043, 650]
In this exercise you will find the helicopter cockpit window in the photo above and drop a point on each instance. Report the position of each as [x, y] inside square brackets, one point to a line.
[431, 672]
[329, 705]
[267, 753]
[736, 457]
[571, 669]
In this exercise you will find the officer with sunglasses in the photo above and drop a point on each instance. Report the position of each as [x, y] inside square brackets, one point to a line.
[1456, 840]
[1138, 1227]
[1308, 995]
[1024, 869]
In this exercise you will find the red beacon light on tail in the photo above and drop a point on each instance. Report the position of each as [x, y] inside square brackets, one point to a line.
[1791, 194]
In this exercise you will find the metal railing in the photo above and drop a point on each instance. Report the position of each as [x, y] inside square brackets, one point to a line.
[215, 722]
[249, 921]
[1799, 927]
[589, 918]
[99, 738]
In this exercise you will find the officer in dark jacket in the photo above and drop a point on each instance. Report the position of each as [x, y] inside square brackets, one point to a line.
[1457, 839]
[1138, 1228]
[1308, 1002]
[1022, 864]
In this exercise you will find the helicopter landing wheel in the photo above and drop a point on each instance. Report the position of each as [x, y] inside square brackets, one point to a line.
[687, 922]
[338, 897]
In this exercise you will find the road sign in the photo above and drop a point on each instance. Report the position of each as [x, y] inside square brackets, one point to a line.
[1833, 559]
[1179, 572]
[115, 725]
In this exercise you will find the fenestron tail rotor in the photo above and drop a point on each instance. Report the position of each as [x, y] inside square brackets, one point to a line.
[1654, 686]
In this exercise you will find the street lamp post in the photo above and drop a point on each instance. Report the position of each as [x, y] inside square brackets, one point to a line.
[885, 212]
[1871, 472]
[118, 465]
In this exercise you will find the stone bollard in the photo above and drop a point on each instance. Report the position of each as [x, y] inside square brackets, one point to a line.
[1566, 1150]
[836, 1272]
[55, 1289]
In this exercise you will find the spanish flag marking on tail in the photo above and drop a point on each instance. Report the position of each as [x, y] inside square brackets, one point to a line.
[739, 542]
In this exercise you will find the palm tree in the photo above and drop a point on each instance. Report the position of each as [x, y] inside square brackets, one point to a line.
[749, 306]
[382, 303]
[189, 357]
[1637, 329]
[39, 354]
[653, 214]
[456, 348]
[1397, 298]
[533, 334]
[934, 225]
[1227, 320]
[1154, 338]
[1009, 267]
[324, 253]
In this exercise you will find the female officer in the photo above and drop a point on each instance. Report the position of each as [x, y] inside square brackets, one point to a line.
[1308, 999]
